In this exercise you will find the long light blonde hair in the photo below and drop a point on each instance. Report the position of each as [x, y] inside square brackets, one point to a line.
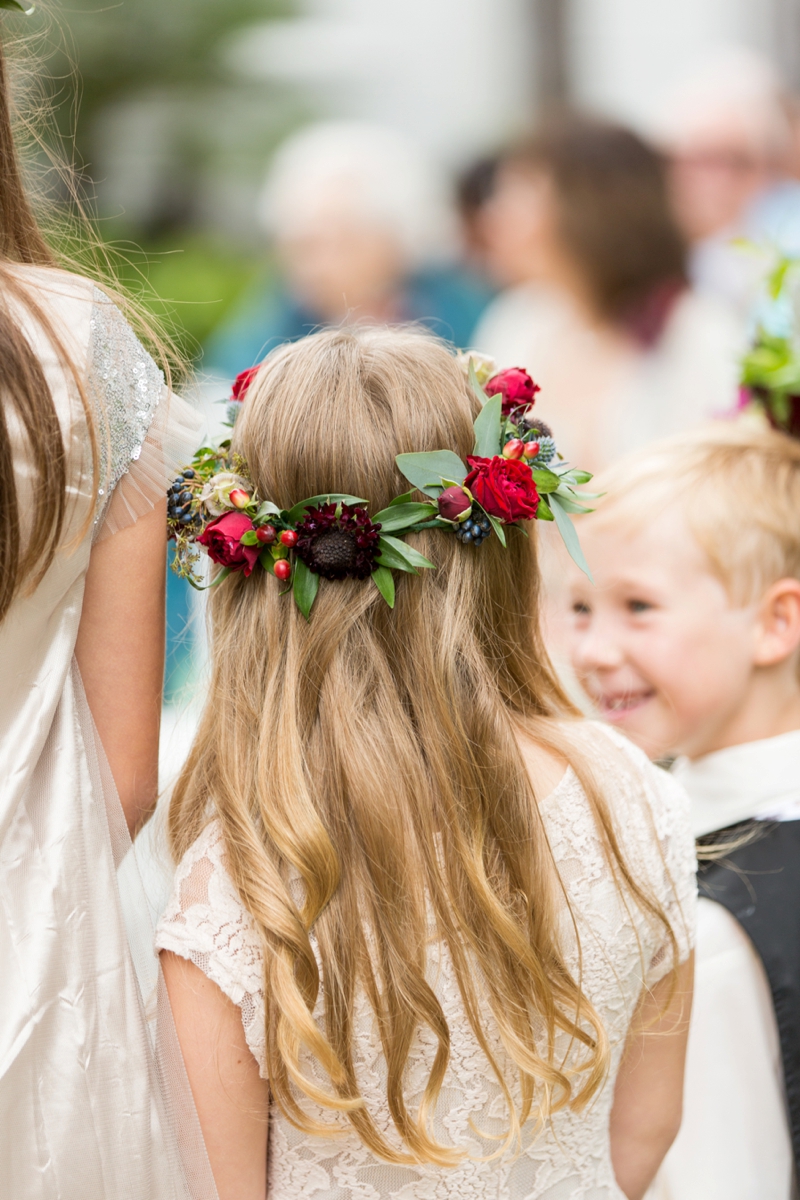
[375, 752]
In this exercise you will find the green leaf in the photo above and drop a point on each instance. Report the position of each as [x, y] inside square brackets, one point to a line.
[487, 427]
[543, 512]
[424, 469]
[297, 510]
[248, 538]
[400, 516]
[16, 7]
[406, 553]
[497, 526]
[570, 475]
[404, 499]
[545, 480]
[475, 384]
[389, 557]
[267, 509]
[571, 505]
[569, 536]
[305, 586]
[384, 582]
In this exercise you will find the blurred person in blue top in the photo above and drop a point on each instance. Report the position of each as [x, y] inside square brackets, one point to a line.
[363, 230]
[728, 131]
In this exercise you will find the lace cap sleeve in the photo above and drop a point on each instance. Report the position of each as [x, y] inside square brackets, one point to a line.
[206, 922]
[144, 432]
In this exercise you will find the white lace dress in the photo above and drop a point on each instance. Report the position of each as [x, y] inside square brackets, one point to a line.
[622, 951]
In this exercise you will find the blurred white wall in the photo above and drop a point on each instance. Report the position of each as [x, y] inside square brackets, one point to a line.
[625, 55]
[456, 74]
[461, 74]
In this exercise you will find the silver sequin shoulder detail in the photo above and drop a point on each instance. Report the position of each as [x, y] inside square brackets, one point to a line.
[125, 386]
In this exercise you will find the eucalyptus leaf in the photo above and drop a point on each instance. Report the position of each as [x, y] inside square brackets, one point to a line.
[408, 553]
[488, 426]
[545, 480]
[425, 468]
[305, 586]
[497, 526]
[389, 557]
[571, 505]
[296, 511]
[400, 516]
[474, 383]
[384, 582]
[569, 536]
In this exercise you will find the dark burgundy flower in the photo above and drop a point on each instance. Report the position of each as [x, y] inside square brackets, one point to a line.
[221, 540]
[453, 502]
[515, 386]
[242, 382]
[504, 487]
[343, 547]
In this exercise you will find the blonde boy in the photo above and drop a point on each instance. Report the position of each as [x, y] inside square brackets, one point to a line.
[690, 644]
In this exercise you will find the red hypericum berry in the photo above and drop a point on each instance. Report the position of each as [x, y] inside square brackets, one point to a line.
[266, 534]
[239, 498]
[514, 448]
[283, 569]
[531, 449]
[289, 537]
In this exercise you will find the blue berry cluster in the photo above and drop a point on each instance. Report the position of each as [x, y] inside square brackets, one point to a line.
[179, 501]
[474, 530]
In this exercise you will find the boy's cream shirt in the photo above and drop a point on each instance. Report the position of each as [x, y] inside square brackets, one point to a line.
[755, 780]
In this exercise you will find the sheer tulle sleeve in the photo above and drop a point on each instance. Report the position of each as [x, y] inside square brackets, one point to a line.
[144, 432]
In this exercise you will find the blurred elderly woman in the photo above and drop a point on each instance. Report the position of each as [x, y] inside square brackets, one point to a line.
[597, 304]
[363, 230]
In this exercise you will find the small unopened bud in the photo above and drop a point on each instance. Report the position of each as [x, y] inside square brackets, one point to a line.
[239, 498]
[454, 504]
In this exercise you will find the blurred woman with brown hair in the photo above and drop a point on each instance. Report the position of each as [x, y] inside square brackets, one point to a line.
[89, 434]
[580, 232]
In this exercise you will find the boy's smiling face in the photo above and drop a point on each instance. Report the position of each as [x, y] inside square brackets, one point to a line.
[658, 644]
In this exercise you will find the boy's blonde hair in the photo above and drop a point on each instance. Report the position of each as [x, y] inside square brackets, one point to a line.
[738, 484]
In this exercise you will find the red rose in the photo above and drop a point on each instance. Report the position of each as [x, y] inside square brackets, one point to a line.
[221, 540]
[504, 487]
[453, 502]
[515, 386]
[242, 382]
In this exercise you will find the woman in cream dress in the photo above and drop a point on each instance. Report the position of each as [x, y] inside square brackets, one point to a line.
[89, 436]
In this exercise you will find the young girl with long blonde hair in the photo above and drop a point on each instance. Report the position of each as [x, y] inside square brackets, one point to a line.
[430, 934]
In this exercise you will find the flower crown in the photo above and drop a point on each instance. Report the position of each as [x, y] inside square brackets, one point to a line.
[511, 476]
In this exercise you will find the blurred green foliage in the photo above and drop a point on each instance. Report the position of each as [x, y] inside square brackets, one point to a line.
[191, 248]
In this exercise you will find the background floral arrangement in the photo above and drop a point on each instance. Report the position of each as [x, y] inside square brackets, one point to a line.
[770, 377]
[512, 476]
